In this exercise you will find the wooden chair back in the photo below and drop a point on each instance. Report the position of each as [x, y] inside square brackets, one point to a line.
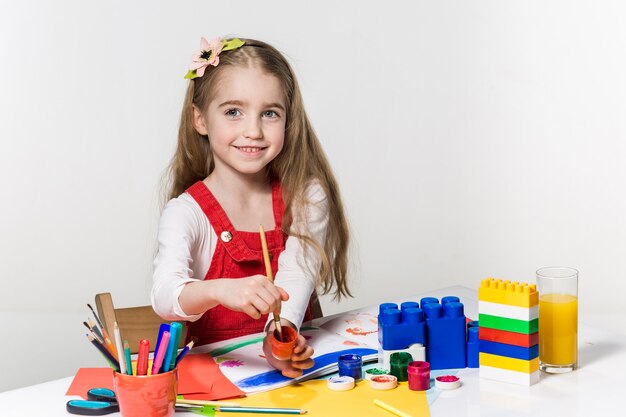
[315, 306]
[135, 323]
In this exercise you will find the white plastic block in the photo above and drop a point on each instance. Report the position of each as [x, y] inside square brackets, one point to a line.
[505, 375]
[508, 311]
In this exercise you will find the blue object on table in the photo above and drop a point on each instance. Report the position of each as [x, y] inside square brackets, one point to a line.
[351, 364]
[510, 351]
[473, 348]
[400, 328]
[100, 401]
[446, 346]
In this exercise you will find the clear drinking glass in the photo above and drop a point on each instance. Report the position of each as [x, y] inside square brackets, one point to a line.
[558, 319]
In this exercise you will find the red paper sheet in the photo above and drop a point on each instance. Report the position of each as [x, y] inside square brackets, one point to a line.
[199, 378]
[87, 378]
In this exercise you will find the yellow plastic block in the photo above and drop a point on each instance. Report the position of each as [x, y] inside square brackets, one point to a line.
[509, 293]
[512, 364]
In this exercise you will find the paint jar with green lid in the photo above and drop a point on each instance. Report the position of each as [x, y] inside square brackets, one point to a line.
[399, 363]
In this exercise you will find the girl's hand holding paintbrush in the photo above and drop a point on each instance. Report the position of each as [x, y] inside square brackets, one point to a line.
[298, 352]
[300, 359]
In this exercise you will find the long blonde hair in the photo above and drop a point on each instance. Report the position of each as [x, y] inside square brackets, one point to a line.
[300, 162]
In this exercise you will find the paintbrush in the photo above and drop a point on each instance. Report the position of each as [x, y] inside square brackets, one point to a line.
[93, 333]
[270, 276]
[105, 335]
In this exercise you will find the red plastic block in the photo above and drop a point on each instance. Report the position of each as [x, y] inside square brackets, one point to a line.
[510, 338]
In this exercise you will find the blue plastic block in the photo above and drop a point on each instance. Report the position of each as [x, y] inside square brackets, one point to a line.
[510, 351]
[473, 347]
[450, 299]
[427, 300]
[473, 323]
[446, 346]
[400, 328]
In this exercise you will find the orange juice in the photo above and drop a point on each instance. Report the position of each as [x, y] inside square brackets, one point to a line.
[558, 329]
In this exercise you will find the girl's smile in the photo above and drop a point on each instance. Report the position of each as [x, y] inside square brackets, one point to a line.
[250, 150]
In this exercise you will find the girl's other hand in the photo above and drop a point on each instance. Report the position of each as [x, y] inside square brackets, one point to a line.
[255, 295]
[301, 358]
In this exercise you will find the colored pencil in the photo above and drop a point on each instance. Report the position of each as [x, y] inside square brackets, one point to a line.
[129, 361]
[391, 409]
[270, 276]
[107, 355]
[260, 410]
[119, 347]
[203, 402]
[183, 352]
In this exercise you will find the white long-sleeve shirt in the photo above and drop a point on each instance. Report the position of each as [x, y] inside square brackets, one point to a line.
[187, 241]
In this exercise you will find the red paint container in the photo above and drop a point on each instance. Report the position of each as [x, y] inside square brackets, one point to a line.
[282, 350]
[146, 396]
[419, 375]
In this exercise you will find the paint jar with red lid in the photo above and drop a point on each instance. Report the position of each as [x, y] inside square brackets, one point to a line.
[419, 375]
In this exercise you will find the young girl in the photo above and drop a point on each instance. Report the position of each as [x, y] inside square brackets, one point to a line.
[247, 156]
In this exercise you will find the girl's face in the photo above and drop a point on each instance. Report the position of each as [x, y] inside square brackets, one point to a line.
[245, 120]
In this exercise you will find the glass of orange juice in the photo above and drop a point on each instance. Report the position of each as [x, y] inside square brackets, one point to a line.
[558, 319]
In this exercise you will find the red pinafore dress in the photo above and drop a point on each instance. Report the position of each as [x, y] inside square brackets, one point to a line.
[237, 254]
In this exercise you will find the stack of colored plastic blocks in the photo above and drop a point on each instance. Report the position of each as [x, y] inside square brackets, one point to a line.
[508, 331]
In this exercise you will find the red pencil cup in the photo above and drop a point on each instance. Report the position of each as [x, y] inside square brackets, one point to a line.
[419, 376]
[282, 350]
[146, 395]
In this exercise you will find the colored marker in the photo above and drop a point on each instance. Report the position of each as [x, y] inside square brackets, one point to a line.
[391, 409]
[176, 329]
[162, 328]
[172, 347]
[160, 354]
[129, 361]
[107, 355]
[260, 410]
[120, 347]
[183, 352]
[142, 357]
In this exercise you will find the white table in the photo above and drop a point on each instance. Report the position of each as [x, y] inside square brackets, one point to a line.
[597, 386]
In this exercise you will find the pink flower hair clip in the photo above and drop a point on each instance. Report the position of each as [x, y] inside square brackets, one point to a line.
[209, 54]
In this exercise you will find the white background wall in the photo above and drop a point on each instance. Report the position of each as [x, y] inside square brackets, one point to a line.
[470, 139]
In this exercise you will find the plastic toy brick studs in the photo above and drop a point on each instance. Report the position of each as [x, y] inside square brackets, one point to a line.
[400, 328]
